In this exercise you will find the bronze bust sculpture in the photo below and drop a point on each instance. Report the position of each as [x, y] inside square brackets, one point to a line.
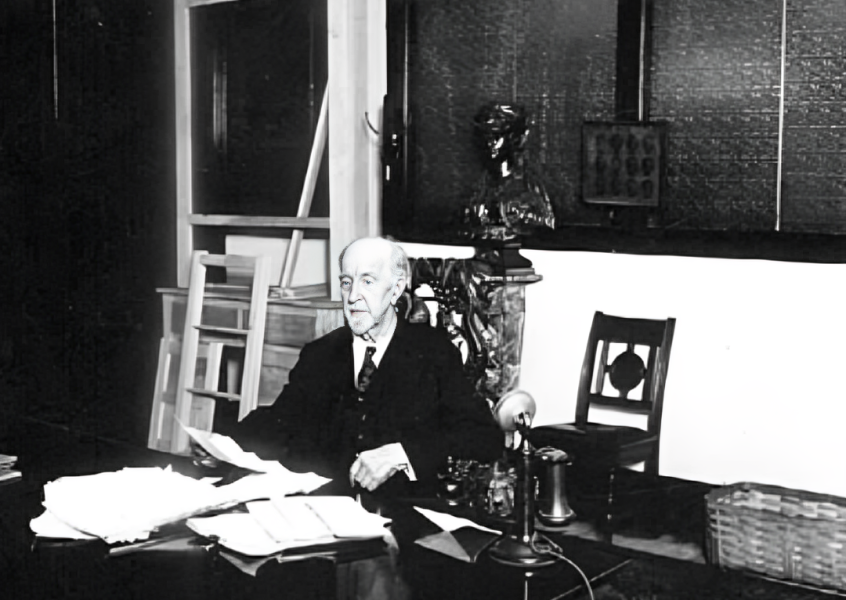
[510, 199]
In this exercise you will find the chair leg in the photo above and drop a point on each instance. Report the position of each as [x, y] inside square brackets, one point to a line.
[606, 524]
[650, 465]
[157, 416]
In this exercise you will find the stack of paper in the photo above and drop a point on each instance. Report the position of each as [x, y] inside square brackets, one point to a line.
[127, 505]
[280, 524]
[122, 506]
[6, 470]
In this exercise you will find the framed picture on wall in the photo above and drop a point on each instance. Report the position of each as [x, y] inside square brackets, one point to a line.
[623, 163]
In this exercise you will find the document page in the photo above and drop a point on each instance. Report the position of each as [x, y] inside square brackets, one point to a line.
[449, 522]
[345, 517]
[226, 449]
[289, 519]
[273, 526]
[260, 486]
[461, 538]
[271, 478]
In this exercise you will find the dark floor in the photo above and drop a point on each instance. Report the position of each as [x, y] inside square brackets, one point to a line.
[662, 525]
[667, 579]
[664, 516]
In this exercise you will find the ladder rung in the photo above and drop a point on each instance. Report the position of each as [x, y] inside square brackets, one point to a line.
[214, 394]
[222, 330]
[225, 341]
[230, 261]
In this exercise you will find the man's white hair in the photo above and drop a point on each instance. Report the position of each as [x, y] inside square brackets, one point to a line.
[400, 268]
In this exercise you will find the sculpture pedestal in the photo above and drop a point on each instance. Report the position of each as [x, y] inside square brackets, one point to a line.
[497, 302]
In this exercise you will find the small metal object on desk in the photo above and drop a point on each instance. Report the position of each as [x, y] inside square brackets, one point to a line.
[551, 505]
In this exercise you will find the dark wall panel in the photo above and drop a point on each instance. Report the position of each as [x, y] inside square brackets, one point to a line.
[814, 193]
[92, 209]
[555, 58]
[25, 105]
[715, 79]
[114, 182]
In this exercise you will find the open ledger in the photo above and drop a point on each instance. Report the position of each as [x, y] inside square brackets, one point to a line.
[291, 522]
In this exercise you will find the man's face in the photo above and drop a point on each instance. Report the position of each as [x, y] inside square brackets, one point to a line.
[367, 286]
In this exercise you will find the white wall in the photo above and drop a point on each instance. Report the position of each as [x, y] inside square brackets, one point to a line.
[753, 390]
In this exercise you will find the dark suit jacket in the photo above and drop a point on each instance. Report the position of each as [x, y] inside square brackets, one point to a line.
[419, 396]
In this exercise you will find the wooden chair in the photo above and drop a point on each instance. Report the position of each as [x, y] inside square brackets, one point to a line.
[597, 447]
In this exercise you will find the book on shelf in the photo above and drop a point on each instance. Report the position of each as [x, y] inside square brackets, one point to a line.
[9, 474]
[6, 471]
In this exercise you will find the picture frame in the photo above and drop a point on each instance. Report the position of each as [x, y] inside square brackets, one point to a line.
[623, 163]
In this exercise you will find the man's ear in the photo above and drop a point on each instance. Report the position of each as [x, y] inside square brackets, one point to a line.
[399, 287]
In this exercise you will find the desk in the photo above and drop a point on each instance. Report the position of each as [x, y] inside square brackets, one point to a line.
[44, 569]
[31, 569]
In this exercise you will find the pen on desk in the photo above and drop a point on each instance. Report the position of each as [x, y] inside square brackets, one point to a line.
[119, 550]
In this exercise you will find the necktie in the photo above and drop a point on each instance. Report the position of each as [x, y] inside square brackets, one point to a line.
[367, 369]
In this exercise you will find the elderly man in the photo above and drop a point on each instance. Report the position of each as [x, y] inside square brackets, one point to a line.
[379, 404]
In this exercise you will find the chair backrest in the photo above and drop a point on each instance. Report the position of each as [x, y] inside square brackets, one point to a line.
[452, 301]
[626, 371]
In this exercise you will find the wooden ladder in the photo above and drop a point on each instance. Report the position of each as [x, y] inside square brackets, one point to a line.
[195, 405]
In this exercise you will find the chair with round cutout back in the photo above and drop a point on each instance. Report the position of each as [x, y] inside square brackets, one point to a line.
[624, 371]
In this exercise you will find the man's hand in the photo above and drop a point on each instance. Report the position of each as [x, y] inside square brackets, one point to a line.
[374, 467]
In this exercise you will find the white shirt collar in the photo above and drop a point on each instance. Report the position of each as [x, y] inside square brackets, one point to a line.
[360, 346]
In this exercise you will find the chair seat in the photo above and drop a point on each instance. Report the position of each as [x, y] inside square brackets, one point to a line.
[596, 443]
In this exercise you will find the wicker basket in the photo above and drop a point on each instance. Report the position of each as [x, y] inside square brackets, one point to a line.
[779, 532]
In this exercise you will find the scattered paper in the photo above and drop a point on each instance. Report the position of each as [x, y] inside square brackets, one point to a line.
[271, 478]
[226, 449]
[47, 525]
[270, 485]
[449, 522]
[248, 565]
[465, 544]
[461, 538]
[125, 505]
